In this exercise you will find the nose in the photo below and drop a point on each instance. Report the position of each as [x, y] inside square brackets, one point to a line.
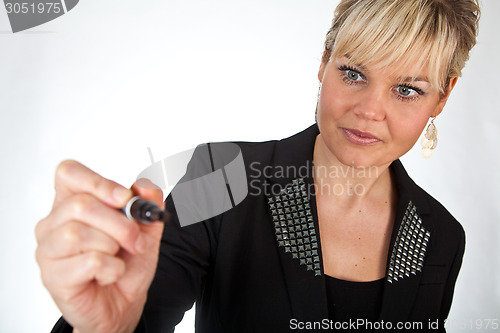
[371, 104]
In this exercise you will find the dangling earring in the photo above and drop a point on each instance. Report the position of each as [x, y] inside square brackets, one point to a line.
[429, 140]
[317, 103]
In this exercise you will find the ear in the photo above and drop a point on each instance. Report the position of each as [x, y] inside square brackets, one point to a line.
[443, 98]
[321, 71]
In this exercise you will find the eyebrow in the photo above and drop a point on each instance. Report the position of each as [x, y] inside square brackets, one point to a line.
[404, 79]
[416, 79]
[363, 68]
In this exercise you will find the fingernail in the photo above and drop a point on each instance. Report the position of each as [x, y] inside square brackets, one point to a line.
[140, 244]
[146, 183]
[121, 194]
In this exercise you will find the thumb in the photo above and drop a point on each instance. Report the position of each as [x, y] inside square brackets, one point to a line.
[144, 188]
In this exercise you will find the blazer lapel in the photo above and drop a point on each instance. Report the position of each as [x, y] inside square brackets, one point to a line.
[293, 211]
[411, 234]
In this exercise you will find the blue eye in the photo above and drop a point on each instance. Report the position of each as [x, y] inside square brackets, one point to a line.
[353, 75]
[350, 75]
[407, 91]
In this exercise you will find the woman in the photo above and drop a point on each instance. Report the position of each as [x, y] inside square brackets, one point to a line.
[350, 244]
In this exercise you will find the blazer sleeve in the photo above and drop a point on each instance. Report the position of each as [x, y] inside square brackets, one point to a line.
[452, 278]
[183, 264]
[184, 260]
[62, 327]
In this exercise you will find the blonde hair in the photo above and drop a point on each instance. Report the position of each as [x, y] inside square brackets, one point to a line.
[435, 34]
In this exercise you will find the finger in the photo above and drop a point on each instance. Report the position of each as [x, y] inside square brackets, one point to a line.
[149, 191]
[69, 276]
[74, 238]
[73, 177]
[89, 210]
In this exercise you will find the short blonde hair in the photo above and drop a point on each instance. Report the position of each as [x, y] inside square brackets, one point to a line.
[436, 34]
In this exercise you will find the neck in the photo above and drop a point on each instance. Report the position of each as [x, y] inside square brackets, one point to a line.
[348, 184]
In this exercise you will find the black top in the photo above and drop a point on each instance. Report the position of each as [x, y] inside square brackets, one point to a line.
[348, 300]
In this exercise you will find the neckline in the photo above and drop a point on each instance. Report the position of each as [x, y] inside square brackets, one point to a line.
[355, 283]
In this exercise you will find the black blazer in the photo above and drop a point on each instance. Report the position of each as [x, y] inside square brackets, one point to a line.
[258, 267]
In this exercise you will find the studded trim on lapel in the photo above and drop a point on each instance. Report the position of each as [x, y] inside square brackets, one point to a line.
[403, 277]
[294, 225]
[306, 290]
[409, 248]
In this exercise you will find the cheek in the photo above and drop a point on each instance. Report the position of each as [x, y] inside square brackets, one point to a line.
[333, 103]
[407, 130]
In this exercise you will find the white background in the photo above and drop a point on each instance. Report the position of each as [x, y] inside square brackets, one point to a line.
[111, 78]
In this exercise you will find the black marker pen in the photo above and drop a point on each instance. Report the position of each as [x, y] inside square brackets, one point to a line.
[144, 211]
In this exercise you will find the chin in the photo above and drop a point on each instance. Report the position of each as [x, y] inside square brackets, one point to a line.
[367, 157]
[357, 161]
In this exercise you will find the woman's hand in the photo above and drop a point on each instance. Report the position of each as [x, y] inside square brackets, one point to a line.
[96, 263]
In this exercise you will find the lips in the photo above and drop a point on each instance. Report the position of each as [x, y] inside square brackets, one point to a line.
[360, 138]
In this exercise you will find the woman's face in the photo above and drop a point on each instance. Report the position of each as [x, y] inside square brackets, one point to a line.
[367, 117]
